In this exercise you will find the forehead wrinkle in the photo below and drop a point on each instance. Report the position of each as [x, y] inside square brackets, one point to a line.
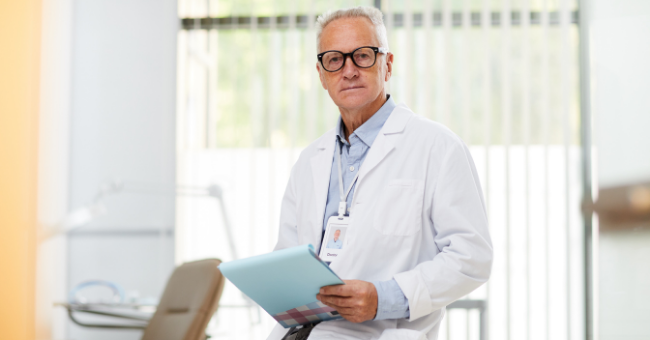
[353, 36]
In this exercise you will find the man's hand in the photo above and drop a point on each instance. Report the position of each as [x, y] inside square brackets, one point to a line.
[356, 300]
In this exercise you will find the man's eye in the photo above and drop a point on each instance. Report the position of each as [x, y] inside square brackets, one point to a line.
[335, 60]
[363, 56]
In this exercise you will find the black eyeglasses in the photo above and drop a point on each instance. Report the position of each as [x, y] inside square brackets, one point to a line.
[363, 57]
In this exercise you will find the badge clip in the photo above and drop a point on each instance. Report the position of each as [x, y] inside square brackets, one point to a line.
[342, 207]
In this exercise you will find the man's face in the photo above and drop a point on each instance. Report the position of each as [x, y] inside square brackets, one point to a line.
[352, 87]
[337, 234]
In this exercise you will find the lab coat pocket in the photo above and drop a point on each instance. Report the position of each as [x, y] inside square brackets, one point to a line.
[398, 211]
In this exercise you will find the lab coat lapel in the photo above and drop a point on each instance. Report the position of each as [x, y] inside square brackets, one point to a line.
[321, 168]
[386, 139]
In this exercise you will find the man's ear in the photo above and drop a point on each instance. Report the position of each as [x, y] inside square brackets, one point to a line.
[389, 66]
[320, 76]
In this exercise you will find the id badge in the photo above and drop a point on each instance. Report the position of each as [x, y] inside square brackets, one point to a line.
[334, 239]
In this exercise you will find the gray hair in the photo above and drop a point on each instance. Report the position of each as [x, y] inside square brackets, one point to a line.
[371, 13]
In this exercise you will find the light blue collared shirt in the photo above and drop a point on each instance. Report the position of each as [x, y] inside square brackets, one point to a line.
[338, 244]
[392, 304]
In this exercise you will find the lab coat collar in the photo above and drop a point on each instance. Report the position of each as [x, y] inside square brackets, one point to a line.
[395, 123]
[397, 120]
[386, 140]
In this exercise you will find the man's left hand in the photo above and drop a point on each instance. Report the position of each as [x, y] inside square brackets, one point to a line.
[356, 300]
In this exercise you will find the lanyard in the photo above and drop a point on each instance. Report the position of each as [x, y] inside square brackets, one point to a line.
[343, 204]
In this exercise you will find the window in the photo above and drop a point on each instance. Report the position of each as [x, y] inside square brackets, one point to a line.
[502, 75]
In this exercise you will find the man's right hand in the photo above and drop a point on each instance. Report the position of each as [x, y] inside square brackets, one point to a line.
[356, 300]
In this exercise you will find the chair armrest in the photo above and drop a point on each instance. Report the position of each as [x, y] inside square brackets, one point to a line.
[81, 309]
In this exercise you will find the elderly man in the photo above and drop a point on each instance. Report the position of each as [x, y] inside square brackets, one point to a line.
[417, 234]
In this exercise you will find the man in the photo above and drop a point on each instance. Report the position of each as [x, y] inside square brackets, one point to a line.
[335, 243]
[417, 237]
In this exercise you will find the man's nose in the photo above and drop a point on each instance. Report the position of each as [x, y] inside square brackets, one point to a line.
[350, 70]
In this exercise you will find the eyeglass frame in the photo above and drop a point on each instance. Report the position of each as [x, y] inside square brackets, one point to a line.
[377, 50]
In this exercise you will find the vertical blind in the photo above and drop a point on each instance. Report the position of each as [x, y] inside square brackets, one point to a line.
[501, 74]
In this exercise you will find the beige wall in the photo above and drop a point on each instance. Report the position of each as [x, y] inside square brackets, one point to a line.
[19, 79]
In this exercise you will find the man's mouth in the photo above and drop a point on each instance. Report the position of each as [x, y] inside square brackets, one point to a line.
[352, 88]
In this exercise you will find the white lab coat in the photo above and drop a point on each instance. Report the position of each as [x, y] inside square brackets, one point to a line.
[417, 215]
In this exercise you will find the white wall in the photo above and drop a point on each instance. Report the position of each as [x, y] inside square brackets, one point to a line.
[620, 51]
[123, 126]
[54, 147]
[620, 71]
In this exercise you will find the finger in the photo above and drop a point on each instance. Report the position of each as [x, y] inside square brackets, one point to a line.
[345, 311]
[335, 300]
[338, 290]
[337, 308]
[352, 316]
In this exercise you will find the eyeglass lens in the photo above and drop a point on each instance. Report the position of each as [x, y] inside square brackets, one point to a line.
[363, 57]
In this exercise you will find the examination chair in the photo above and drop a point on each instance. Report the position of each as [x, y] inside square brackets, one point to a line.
[190, 299]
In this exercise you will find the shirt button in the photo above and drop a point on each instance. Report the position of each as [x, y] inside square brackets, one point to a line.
[352, 168]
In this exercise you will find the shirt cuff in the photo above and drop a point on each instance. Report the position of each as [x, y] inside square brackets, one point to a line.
[391, 301]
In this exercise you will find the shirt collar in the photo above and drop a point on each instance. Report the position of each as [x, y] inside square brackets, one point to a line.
[369, 130]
